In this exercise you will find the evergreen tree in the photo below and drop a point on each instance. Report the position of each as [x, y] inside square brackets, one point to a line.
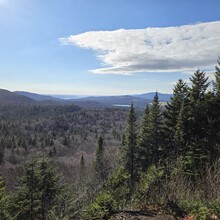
[179, 127]
[38, 191]
[49, 186]
[175, 119]
[217, 78]
[142, 142]
[154, 142]
[27, 199]
[82, 162]
[199, 86]
[82, 169]
[99, 164]
[128, 149]
[197, 121]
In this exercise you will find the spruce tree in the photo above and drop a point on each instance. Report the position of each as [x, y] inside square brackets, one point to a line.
[197, 104]
[142, 142]
[217, 78]
[128, 148]
[150, 141]
[175, 119]
[82, 169]
[38, 191]
[155, 140]
[82, 162]
[27, 198]
[99, 164]
[49, 186]
[197, 120]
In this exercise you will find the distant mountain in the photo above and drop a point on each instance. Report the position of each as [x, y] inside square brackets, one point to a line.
[7, 97]
[67, 97]
[162, 97]
[140, 100]
[37, 97]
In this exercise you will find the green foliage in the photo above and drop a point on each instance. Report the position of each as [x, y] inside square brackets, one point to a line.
[150, 148]
[99, 162]
[202, 210]
[114, 196]
[38, 192]
[217, 78]
[175, 120]
[142, 159]
[101, 208]
[128, 148]
[4, 201]
[118, 186]
[148, 179]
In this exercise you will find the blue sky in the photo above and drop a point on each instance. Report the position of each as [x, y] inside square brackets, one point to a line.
[100, 47]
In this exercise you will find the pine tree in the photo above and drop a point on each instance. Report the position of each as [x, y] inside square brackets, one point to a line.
[128, 149]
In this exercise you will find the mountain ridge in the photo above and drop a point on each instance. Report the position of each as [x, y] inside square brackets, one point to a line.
[139, 100]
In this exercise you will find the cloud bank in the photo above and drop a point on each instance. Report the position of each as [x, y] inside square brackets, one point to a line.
[169, 49]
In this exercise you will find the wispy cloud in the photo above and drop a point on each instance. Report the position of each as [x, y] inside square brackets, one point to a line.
[169, 49]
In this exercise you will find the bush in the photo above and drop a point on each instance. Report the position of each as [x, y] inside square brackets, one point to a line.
[103, 206]
[148, 181]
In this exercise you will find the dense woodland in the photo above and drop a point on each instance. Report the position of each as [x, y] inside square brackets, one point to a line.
[65, 162]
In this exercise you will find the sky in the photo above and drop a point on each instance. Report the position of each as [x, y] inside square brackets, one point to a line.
[106, 47]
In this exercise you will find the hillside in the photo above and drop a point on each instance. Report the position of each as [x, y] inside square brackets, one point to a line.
[7, 97]
[139, 100]
[37, 97]
[162, 96]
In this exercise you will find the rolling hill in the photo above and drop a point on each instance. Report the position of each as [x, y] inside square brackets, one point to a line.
[7, 97]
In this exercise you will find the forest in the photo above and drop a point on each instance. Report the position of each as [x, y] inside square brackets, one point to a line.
[67, 162]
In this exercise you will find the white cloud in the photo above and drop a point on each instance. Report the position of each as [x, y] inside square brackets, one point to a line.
[169, 49]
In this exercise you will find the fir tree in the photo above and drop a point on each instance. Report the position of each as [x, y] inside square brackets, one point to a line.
[82, 169]
[217, 78]
[197, 121]
[27, 199]
[49, 186]
[174, 119]
[99, 164]
[128, 149]
[38, 191]
[142, 142]
[154, 142]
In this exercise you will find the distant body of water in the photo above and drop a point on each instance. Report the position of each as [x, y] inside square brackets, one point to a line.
[119, 105]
